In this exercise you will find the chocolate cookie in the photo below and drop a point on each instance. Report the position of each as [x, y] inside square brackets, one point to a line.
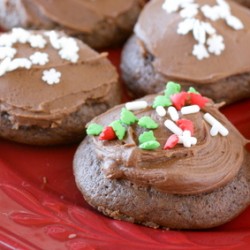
[244, 2]
[51, 85]
[99, 23]
[204, 45]
[171, 160]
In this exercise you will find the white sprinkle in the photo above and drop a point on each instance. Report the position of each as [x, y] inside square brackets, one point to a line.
[214, 130]
[211, 12]
[200, 51]
[161, 111]
[69, 49]
[69, 43]
[187, 140]
[21, 35]
[234, 22]
[223, 4]
[136, 105]
[37, 41]
[69, 55]
[39, 58]
[173, 127]
[199, 32]
[214, 122]
[4, 66]
[51, 76]
[186, 26]
[210, 30]
[171, 5]
[173, 113]
[190, 10]
[190, 109]
[7, 52]
[216, 44]
[7, 40]
[19, 63]
[54, 39]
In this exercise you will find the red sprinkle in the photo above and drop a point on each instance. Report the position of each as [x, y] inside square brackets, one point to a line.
[107, 134]
[171, 142]
[186, 124]
[179, 99]
[198, 99]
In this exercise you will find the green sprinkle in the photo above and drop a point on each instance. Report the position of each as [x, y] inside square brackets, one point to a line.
[172, 88]
[162, 101]
[94, 129]
[127, 117]
[147, 136]
[150, 145]
[193, 90]
[147, 122]
[120, 131]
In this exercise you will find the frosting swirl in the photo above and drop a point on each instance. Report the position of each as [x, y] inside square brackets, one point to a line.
[172, 52]
[210, 164]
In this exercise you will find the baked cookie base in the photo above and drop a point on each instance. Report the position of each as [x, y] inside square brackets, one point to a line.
[71, 128]
[141, 78]
[123, 200]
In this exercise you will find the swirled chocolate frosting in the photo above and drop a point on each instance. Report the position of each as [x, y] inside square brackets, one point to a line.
[211, 163]
[157, 29]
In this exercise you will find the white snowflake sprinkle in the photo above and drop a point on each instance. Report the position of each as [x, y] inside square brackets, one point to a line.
[51, 76]
[190, 10]
[200, 51]
[69, 55]
[171, 5]
[186, 26]
[19, 63]
[39, 58]
[69, 49]
[199, 32]
[206, 36]
[7, 52]
[54, 39]
[216, 44]
[69, 43]
[21, 35]
[37, 41]
[211, 12]
[184, 3]
[223, 4]
[7, 40]
[209, 29]
[234, 22]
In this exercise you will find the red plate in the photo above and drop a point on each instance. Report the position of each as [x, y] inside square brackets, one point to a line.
[41, 208]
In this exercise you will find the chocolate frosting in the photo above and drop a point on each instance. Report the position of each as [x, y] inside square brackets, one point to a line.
[210, 164]
[172, 52]
[31, 101]
[82, 15]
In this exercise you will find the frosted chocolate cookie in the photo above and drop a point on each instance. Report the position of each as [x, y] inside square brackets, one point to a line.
[171, 160]
[244, 2]
[99, 23]
[204, 43]
[51, 85]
